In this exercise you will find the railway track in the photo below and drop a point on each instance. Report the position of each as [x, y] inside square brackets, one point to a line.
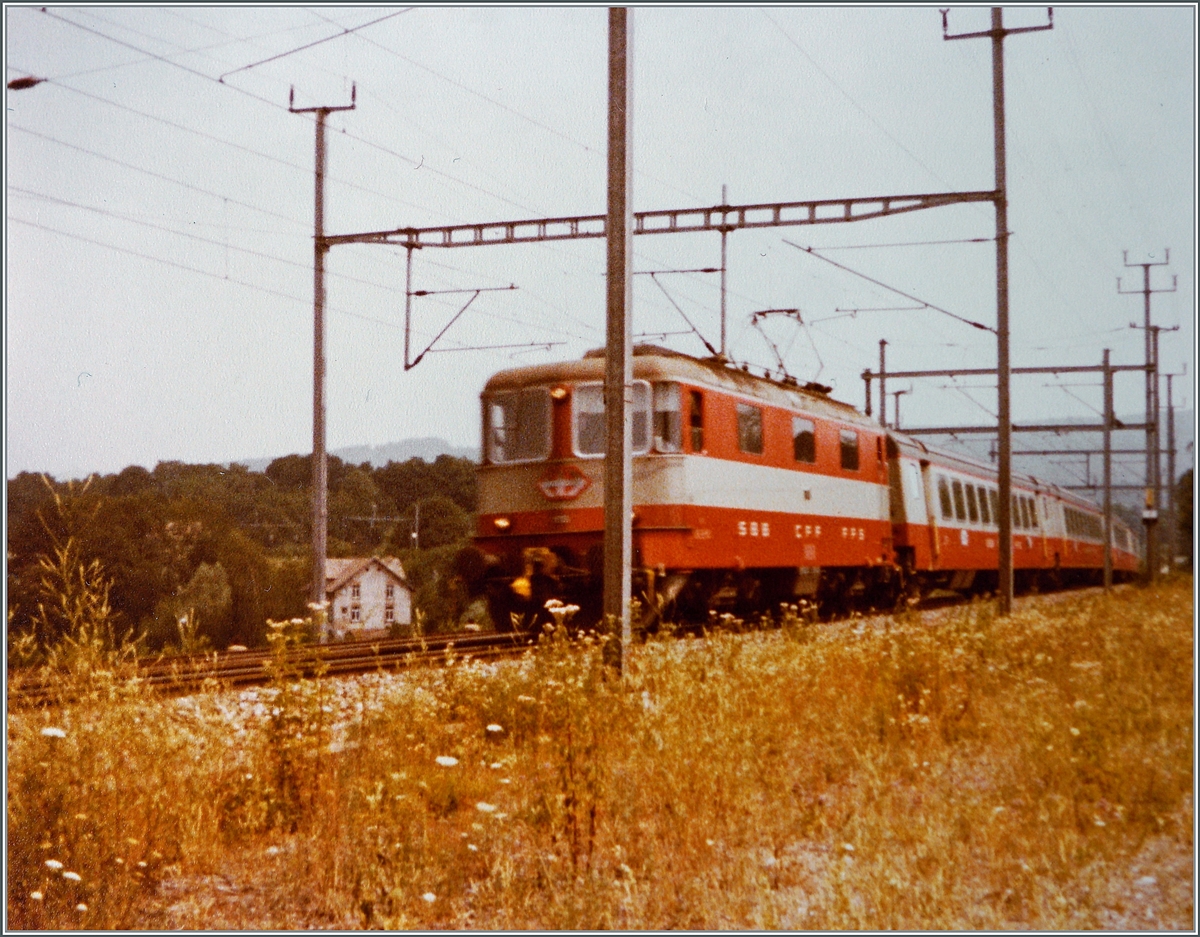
[183, 674]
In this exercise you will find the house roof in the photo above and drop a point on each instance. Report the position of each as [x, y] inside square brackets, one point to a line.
[339, 571]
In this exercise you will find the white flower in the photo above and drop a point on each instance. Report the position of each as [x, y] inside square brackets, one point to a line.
[472, 847]
[53, 864]
[430, 897]
[485, 807]
[71, 876]
[493, 727]
[446, 761]
[848, 847]
[36, 895]
[496, 766]
[54, 732]
[81, 907]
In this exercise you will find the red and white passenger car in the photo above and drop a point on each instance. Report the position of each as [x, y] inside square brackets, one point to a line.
[747, 492]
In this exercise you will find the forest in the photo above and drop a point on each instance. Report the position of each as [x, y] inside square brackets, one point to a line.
[225, 547]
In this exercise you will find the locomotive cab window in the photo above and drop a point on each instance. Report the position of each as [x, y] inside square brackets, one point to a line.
[849, 447]
[517, 426]
[668, 430]
[589, 419]
[750, 429]
[804, 440]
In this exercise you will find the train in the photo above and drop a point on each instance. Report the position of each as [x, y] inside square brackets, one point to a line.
[748, 491]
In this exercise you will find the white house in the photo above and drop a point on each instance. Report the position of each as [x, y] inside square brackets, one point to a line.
[367, 595]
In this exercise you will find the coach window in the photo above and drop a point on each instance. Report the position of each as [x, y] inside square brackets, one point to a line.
[1033, 518]
[849, 440]
[668, 432]
[944, 497]
[518, 426]
[960, 509]
[983, 505]
[589, 418]
[972, 507]
[696, 420]
[750, 430]
[994, 500]
[804, 440]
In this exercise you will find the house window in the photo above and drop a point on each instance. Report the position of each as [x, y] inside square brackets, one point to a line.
[750, 430]
[356, 591]
[390, 591]
[356, 613]
[389, 615]
[849, 441]
[345, 611]
[804, 440]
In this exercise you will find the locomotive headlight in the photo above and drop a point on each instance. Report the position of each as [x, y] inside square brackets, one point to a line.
[559, 393]
[502, 523]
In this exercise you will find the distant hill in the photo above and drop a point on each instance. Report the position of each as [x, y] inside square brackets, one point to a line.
[427, 448]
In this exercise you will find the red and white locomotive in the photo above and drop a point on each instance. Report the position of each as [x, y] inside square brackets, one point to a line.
[747, 492]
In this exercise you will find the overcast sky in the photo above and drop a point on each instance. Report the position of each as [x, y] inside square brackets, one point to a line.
[160, 208]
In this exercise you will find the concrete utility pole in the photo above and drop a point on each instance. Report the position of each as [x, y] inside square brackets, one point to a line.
[1172, 516]
[1108, 422]
[1000, 197]
[897, 394]
[883, 382]
[320, 467]
[618, 365]
[1150, 512]
[724, 236]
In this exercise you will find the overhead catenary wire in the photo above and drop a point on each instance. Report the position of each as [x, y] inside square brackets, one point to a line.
[812, 252]
[345, 32]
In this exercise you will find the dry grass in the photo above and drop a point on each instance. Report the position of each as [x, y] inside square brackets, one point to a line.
[951, 772]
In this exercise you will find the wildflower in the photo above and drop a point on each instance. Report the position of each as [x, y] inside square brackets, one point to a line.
[506, 781]
[54, 732]
[848, 847]
[53, 864]
[119, 861]
[446, 761]
[493, 727]
[485, 807]
[36, 895]
[496, 766]
[81, 907]
[71, 876]
[1074, 731]
[430, 897]
[472, 847]
[272, 850]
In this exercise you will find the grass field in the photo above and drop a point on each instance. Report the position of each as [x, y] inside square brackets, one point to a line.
[945, 771]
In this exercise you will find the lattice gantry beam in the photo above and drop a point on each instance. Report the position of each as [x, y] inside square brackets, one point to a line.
[673, 221]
